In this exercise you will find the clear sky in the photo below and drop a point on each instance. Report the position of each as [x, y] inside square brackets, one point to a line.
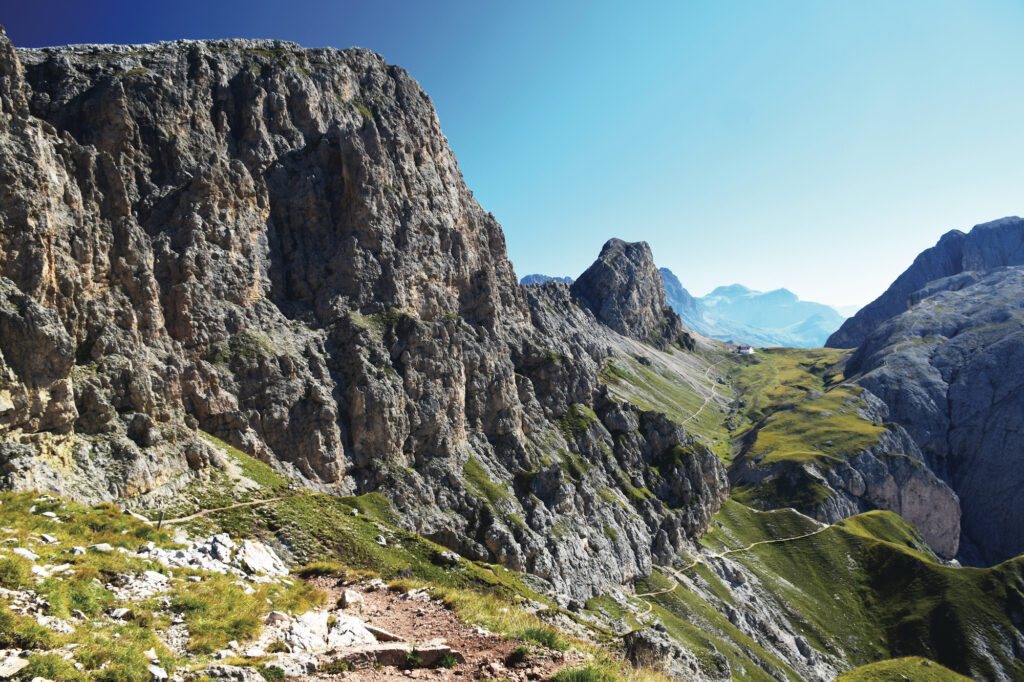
[813, 145]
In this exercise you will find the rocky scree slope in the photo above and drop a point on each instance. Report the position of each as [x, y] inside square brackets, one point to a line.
[276, 246]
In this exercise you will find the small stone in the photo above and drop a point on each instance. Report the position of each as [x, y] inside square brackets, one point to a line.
[355, 512]
[101, 547]
[78, 551]
[277, 617]
[11, 666]
[157, 673]
[195, 579]
[49, 515]
[140, 517]
[25, 553]
[446, 558]
[49, 539]
[120, 613]
[151, 656]
[350, 598]
[381, 541]
[383, 635]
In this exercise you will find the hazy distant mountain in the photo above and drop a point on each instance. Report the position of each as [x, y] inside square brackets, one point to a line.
[742, 315]
[847, 310]
[540, 279]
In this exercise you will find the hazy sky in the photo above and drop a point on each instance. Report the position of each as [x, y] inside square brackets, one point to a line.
[813, 145]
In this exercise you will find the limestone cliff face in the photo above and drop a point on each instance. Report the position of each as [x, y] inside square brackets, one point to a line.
[987, 246]
[624, 290]
[949, 370]
[276, 246]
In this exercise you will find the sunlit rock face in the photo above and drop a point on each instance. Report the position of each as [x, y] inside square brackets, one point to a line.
[276, 246]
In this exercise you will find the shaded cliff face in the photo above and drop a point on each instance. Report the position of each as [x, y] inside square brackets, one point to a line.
[989, 245]
[276, 246]
[624, 290]
[949, 371]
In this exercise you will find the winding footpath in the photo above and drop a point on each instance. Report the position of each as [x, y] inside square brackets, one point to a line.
[677, 573]
[206, 512]
[707, 375]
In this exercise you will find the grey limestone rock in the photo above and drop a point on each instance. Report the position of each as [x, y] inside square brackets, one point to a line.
[652, 647]
[949, 370]
[624, 290]
[987, 246]
[276, 245]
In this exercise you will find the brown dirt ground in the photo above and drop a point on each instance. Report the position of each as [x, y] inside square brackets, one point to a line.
[417, 618]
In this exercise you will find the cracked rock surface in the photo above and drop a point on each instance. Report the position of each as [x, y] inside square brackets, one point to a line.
[275, 245]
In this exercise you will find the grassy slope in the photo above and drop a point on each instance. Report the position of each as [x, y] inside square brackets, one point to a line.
[865, 589]
[110, 650]
[869, 587]
[797, 410]
[812, 414]
[661, 388]
[909, 669]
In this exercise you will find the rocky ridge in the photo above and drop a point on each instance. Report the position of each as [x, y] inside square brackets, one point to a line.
[945, 370]
[625, 292]
[987, 246]
[275, 246]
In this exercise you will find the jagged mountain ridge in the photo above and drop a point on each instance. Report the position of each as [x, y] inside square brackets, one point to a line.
[989, 245]
[540, 279]
[276, 246]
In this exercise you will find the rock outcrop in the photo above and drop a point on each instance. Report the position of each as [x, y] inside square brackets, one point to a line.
[987, 246]
[888, 475]
[948, 370]
[624, 290]
[276, 246]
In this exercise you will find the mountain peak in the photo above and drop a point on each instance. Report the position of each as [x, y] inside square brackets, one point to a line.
[624, 290]
[730, 291]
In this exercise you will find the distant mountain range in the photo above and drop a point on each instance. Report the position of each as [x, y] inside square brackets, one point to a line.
[540, 279]
[744, 316]
[741, 315]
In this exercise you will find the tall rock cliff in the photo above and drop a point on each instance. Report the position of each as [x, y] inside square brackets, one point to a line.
[624, 290]
[276, 246]
[949, 369]
[987, 246]
[942, 348]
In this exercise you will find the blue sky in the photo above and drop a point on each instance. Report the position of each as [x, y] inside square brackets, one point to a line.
[813, 145]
